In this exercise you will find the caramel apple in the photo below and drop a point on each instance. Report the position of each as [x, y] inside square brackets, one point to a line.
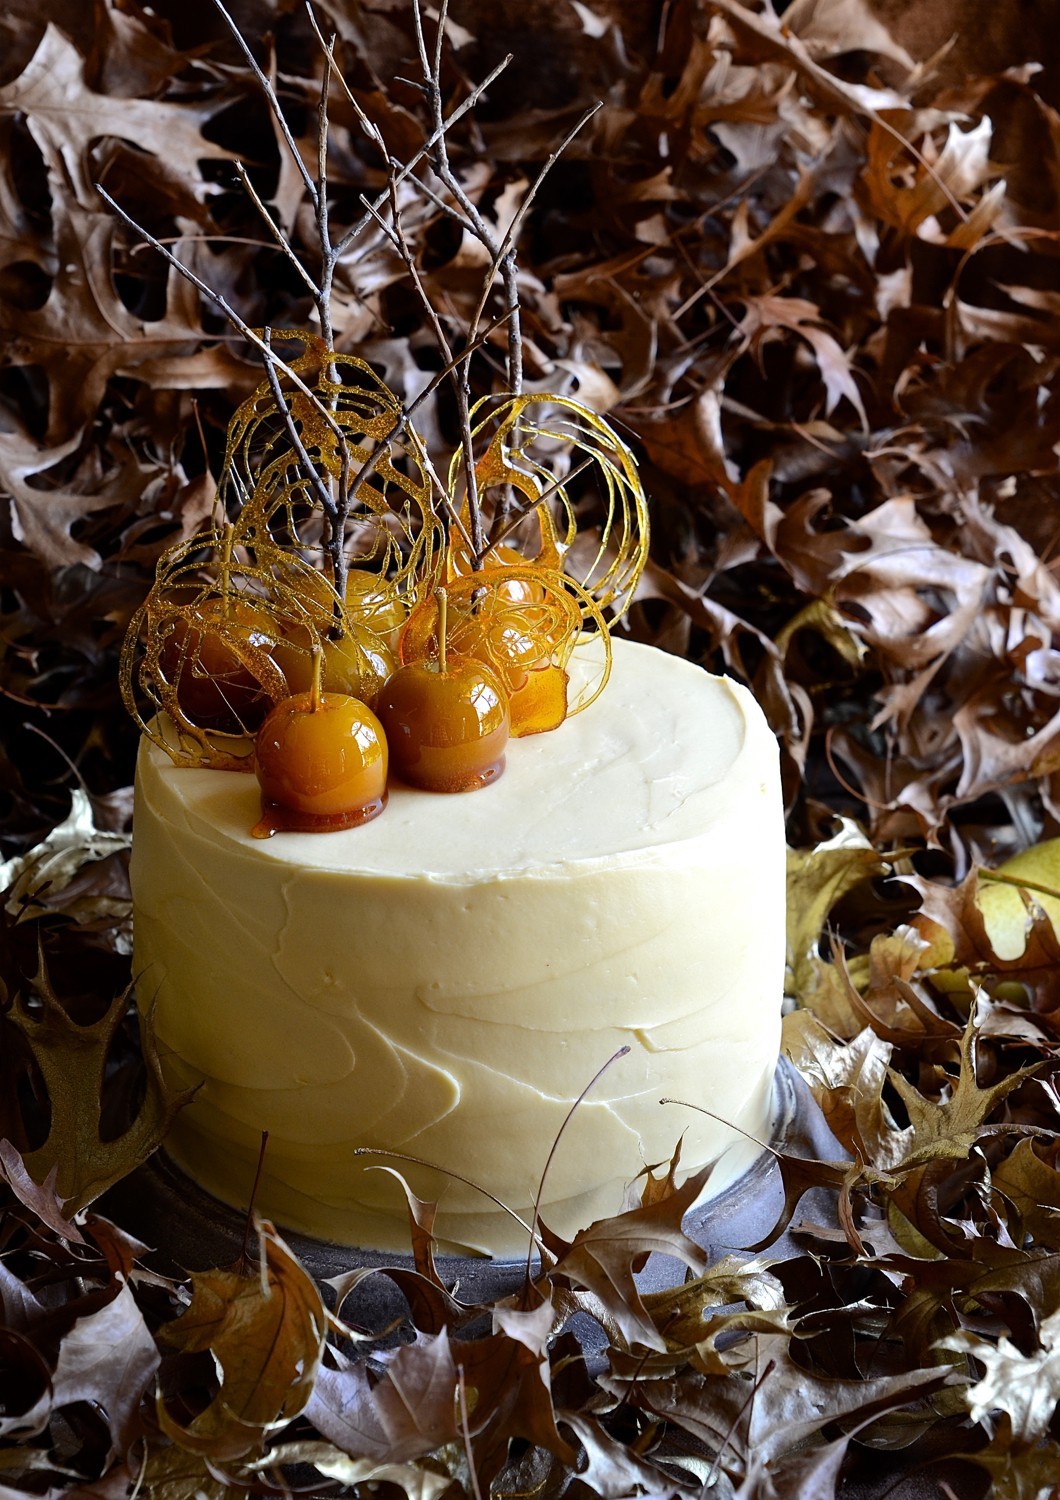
[357, 664]
[321, 762]
[207, 654]
[536, 686]
[447, 720]
[373, 605]
[520, 590]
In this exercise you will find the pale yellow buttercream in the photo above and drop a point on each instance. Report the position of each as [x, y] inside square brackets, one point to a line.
[444, 981]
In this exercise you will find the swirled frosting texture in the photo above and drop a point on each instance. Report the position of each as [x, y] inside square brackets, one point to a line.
[446, 980]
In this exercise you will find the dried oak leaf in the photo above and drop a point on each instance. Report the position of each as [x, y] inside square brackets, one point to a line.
[19, 1308]
[41, 1198]
[508, 1391]
[767, 317]
[812, 1475]
[942, 180]
[405, 1413]
[42, 518]
[108, 1358]
[953, 921]
[1025, 1386]
[816, 879]
[432, 1306]
[65, 117]
[614, 1470]
[601, 1258]
[72, 1060]
[848, 1079]
[790, 1404]
[413, 1481]
[693, 1315]
[829, 28]
[940, 1160]
[84, 335]
[266, 1335]
[1019, 1472]
[32, 880]
[1032, 1186]
[171, 1473]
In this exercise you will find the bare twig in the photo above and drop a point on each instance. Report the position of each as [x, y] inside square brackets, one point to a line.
[320, 489]
[333, 493]
[274, 229]
[251, 335]
[422, 154]
[327, 250]
[273, 102]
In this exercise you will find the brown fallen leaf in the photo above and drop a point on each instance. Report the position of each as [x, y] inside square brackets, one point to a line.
[266, 1335]
[171, 1473]
[1032, 1186]
[601, 1258]
[40, 1197]
[109, 1359]
[816, 880]
[1026, 1386]
[402, 1414]
[777, 1407]
[507, 1388]
[72, 1060]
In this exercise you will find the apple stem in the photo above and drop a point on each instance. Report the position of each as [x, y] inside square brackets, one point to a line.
[443, 612]
[316, 697]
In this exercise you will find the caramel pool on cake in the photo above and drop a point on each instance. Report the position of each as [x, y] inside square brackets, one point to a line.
[446, 979]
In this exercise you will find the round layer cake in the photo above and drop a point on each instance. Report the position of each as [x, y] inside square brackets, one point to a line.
[445, 981]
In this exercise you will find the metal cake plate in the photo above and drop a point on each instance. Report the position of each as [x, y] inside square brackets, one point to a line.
[189, 1230]
[193, 1231]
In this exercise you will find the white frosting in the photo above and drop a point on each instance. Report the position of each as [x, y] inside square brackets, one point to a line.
[445, 980]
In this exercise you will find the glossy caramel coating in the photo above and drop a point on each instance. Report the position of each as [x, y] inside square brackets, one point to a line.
[322, 760]
[357, 664]
[446, 729]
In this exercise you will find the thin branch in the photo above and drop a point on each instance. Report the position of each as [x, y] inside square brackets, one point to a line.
[368, 125]
[323, 494]
[274, 103]
[327, 250]
[465, 1432]
[422, 154]
[274, 229]
[421, 1161]
[503, 255]
[397, 236]
[251, 336]
[406, 416]
[593, 1081]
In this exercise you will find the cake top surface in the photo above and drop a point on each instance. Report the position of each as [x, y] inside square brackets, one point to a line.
[650, 763]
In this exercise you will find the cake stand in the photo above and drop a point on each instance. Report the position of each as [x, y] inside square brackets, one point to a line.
[189, 1230]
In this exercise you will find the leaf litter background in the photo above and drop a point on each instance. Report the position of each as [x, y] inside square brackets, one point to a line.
[810, 265]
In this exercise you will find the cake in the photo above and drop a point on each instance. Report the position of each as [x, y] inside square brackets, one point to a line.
[445, 981]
